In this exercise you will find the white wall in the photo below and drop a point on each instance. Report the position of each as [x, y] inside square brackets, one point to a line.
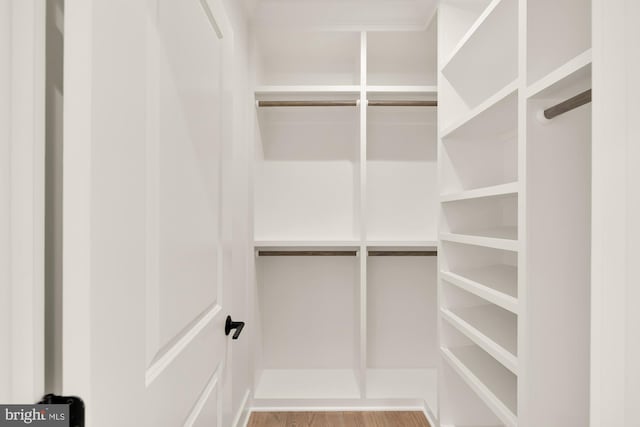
[615, 346]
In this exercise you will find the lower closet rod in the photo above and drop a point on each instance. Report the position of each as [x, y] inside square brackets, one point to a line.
[568, 105]
[307, 253]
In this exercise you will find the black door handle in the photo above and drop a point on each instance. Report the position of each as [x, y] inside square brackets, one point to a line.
[230, 324]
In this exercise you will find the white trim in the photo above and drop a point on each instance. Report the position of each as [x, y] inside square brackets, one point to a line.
[615, 370]
[78, 127]
[202, 400]
[168, 356]
[244, 411]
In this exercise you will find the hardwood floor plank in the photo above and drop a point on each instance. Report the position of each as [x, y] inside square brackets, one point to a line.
[339, 419]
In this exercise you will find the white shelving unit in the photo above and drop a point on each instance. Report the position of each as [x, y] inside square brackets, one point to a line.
[514, 225]
[359, 179]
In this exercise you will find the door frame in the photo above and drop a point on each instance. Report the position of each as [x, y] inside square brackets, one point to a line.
[22, 148]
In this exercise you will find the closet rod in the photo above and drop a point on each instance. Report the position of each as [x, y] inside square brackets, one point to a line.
[568, 105]
[349, 103]
[377, 103]
[403, 253]
[307, 253]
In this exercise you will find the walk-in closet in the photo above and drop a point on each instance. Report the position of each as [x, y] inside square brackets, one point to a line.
[422, 215]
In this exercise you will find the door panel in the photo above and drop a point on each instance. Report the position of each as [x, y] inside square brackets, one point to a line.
[147, 258]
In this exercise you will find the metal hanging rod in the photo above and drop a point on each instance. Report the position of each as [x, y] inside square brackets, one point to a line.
[402, 103]
[348, 103]
[307, 253]
[568, 105]
[403, 253]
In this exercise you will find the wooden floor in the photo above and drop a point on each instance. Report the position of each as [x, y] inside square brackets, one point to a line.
[338, 419]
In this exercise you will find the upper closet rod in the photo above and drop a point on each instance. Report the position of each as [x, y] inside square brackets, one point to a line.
[568, 105]
[347, 103]
[402, 103]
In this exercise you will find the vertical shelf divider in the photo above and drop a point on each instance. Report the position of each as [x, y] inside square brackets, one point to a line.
[362, 216]
[522, 209]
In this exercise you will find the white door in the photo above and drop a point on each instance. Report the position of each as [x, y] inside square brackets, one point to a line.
[146, 213]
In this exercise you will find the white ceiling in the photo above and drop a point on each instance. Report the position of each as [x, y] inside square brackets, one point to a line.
[342, 14]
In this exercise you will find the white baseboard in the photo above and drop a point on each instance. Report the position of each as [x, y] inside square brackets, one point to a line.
[244, 411]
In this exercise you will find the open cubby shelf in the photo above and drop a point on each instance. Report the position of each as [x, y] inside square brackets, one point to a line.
[490, 49]
[490, 327]
[493, 383]
[497, 284]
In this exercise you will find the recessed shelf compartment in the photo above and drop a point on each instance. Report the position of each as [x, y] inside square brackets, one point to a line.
[497, 283]
[490, 327]
[480, 150]
[482, 221]
[555, 38]
[565, 80]
[307, 172]
[401, 185]
[496, 117]
[490, 49]
[297, 384]
[303, 351]
[401, 333]
[493, 383]
[402, 57]
[308, 57]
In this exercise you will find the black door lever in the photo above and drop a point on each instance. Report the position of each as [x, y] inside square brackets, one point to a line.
[230, 324]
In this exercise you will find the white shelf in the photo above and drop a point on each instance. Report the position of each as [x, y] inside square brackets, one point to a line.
[497, 284]
[494, 117]
[576, 70]
[425, 245]
[504, 238]
[490, 49]
[266, 90]
[403, 384]
[307, 384]
[494, 384]
[404, 90]
[490, 327]
[479, 193]
[306, 244]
